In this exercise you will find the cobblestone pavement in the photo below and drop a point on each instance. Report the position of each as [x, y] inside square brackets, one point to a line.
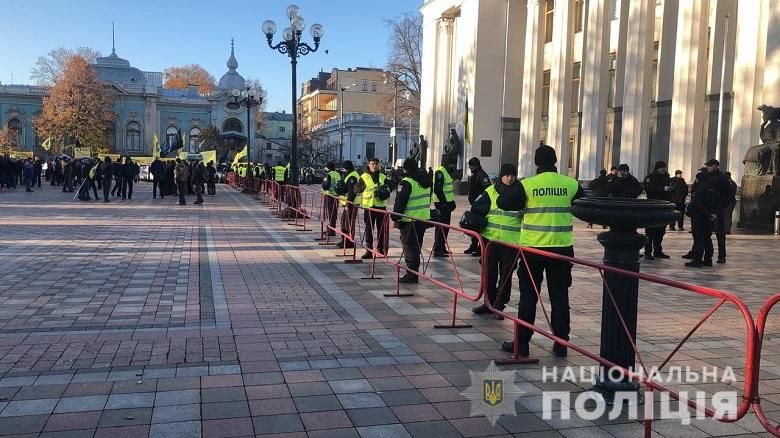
[142, 318]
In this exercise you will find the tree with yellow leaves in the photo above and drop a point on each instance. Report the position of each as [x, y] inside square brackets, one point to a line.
[78, 109]
[192, 74]
[7, 141]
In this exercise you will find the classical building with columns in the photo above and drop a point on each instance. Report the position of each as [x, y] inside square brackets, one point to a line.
[143, 108]
[603, 81]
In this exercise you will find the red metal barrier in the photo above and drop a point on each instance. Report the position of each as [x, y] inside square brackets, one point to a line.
[763, 314]
[722, 296]
[312, 204]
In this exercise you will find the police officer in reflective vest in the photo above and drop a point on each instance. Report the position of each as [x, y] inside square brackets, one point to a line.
[347, 196]
[501, 226]
[444, 201]
[413, 199]
[280, 174]
[547, 225]
[368, 184]
[332, 177]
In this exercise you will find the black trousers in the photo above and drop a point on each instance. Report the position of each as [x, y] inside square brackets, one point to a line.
[332, 211]
[412, 234]
[558, 282]
[127, 188]
[117, 190]
[655, 236]
[212, 188]
[106, 188]
[181, 187]
[38, 179]
[158, 183]
[681, 208]
[720, 234]
[199, 193]
[347, 220]
[374, 221]
[701, 228]
[440, 236]
[91, 185]
[500, 267]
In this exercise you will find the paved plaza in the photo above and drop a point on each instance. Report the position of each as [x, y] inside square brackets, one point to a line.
[142, 318]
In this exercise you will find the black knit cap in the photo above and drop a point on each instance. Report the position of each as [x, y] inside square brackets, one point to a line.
[659, 165]
[545, 156]
[330, 165]
[508, 169]
[349, 166]
[410, 165]
[474, 161]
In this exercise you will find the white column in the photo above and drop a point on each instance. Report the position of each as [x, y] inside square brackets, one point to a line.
[513, 58]
[559, 119]
[666, 50]
[595, 88]
[749, 75]
[530, 112]
[685, 145]
[634, 138]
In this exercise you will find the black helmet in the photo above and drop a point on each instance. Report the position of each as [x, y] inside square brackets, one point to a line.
[383, 192]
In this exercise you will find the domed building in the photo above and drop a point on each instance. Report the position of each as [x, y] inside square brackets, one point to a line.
[143, 108]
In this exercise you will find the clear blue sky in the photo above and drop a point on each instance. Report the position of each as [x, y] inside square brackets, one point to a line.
[155, 34]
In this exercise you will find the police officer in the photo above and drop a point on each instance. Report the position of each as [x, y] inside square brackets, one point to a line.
[280, 173]
[369, 183]
[106, 172]
[657, 186]
[547, 224]
[347, 195]
[413, 199]
[444, 201]
[478, 182]
[502, 226]
[332, 177]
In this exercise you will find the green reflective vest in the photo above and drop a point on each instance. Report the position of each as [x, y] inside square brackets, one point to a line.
[343, 198]
[369, 192]
[279, 173]
[419, 203]
[449, 194]
[547, 221]
[335, 177]
[502, 225]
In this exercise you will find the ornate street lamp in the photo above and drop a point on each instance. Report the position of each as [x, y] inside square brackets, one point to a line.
[293, 47]
[249, 98]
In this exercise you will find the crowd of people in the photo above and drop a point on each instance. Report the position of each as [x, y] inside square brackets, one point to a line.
[182, 178]
[710, 208]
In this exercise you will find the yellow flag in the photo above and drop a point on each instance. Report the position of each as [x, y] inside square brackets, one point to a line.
[155, 147]
[239, 155]
[46, 144]
[209, 156]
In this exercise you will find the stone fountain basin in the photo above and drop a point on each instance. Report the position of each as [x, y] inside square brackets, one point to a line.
[624, 213]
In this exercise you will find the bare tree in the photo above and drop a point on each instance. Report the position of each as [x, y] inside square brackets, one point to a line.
[403, 66]
[48, 69]
[259, 110]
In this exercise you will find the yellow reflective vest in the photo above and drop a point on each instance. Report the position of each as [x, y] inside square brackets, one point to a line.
[547, 220]
[279, 173]
[334, 177]
[502, 225]
[447, 188]
[419, 203]
[369, 192]
[343, 198]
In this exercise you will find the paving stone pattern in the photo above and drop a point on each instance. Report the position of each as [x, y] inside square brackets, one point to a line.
[142, 318]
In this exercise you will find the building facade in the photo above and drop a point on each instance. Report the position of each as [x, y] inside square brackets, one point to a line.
[275, 139]
[366, 97]
[602, 81]
[143, 107]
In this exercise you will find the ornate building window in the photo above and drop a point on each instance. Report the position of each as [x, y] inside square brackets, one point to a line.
[16, 126]
[133, 137]
[194, 138]
[171, 135]
[549, 10]
[233, 125]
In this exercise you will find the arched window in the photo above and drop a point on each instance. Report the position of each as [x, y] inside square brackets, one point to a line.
[172, 135]
[194, 139]
[232, 125]
[133, 137]
[16, 126]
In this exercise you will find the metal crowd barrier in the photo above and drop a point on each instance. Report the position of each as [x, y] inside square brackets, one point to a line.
[310, 204]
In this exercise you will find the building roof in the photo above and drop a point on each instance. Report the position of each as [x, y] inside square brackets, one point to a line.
[231, 80]
[116, 70]
[277, 116]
